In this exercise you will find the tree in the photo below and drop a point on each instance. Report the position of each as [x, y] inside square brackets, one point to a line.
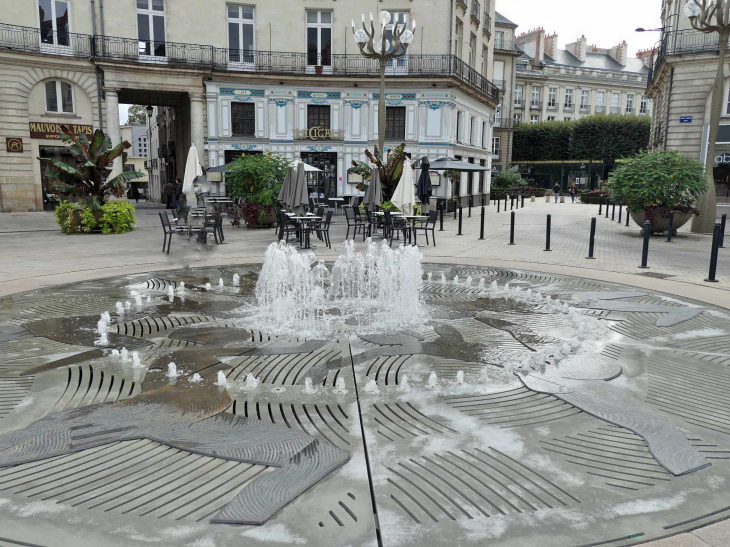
[137, 115]
[89, 182]
[710, 18]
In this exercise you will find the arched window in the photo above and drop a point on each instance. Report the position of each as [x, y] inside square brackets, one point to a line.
[59, 97]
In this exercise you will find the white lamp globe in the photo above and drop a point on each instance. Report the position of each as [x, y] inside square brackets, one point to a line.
[384, 17]
[378, 46]
[407, 37]
[691, 9]
[360, 36]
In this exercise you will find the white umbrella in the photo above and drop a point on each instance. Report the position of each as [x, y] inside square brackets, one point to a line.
[404, 196]
[308, 168]
[192, 171]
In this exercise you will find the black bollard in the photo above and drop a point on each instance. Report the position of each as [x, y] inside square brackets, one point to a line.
[722, 231]
[455, 209]
[645, 249]
[461, 212]
[505, 202]
[671, 226]
[716, 235]
[600, 207]
[470, 200]
[441, 218]
[547, 234]
[523, 201]
[481, 231]
[511, 202]
[613, 212]
[608, 201]
[499, 202]
[512, 229]
[620, 209]
[627, 215]
[591, 241]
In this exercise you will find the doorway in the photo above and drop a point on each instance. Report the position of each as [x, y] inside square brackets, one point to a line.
[323, 184]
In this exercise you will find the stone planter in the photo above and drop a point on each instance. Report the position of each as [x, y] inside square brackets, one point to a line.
[661, 224]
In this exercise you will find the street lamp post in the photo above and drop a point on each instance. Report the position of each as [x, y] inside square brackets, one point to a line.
[384, 51]
[710, 17]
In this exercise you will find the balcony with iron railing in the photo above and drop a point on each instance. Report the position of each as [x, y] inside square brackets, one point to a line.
[461, 4]
[507, 46]
[600, 109]
[175, 54]
[519, 103]
[630, 111]
[487, 26]
[553, 107]
[568, 107]
[683, 42]
[535, 106]
[615, 110]
[476, 10]
[585, 108]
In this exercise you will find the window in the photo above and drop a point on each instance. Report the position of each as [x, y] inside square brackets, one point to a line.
[485, 62]
[552, 97]
[629, 104]
[643, 109]
[496, 146]
[240, 34]
[53, 18]
[615, 101]
[499, 39]
[498, 114]
[568, 119]
[499, 74]
[472, 131]
[400, 18]
[600, 99]
[585, 99]
[551, 118]
[151, 27]
[536, 97]
[517, 119]
[518, 96]
[59, 97]
[484, 134]
[243, 119]
[568, 98]
[534, 118]
[459, 116]
[319, 116]
[395, 122]
[472, 49]
[458, 38]
[319, 38]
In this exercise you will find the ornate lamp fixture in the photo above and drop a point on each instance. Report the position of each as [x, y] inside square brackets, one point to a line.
[383, 50]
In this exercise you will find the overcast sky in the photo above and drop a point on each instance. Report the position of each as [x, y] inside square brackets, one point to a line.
[605, 24]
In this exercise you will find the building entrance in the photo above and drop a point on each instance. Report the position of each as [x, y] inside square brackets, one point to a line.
[323, 184]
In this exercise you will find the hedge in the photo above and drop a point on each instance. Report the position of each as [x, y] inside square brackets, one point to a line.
[600, 137]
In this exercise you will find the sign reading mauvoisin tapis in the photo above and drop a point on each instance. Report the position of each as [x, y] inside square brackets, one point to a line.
[45, 130]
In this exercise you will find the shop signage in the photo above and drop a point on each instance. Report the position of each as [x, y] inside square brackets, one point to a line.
[43, 130]
[685, 119]
[722, 159]
[13, 144]
[317, 133]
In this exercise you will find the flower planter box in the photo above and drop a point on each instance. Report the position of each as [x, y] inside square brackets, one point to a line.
[593, 199]
[661, 224]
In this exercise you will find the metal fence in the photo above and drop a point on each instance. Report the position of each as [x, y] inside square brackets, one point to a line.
[678, 42]
[112, 48]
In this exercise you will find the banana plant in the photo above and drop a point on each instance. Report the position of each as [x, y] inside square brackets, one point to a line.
[391, 169]
[89, 181]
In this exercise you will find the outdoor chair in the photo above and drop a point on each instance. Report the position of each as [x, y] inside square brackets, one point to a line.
[372, 221]
[167, 232]
[428, 226]
[353, 222]
[286, 227]
[213, 224]
[323, 229]
[395, 225]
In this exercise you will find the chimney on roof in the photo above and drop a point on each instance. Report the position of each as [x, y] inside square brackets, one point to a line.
[645, 55]
[551, 45]
[533, 43]
[578, 48]
[620, 53]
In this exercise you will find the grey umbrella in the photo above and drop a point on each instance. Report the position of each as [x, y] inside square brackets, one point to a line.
[374, 195]
[285, 193]
[424, 188]
[451, 164]
[300, 194]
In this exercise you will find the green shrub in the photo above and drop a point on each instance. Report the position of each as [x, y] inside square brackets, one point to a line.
[388, 206]
[257, 178]
[66, 219]
[546, 141]
[657, 179]
[507, 180]
[118, 218]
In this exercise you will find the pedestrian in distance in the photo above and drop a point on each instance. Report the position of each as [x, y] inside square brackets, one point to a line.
[556, 191]
[573, 192]
[135, 194]
[169, 194]
[178, 192]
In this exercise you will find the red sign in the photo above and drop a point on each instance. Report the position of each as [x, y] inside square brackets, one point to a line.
[13, 144]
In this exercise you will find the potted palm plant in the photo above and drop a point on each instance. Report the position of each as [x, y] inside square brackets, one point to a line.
[653, 184]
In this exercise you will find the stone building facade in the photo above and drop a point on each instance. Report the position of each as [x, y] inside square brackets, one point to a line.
[506, 54]
[581, 80]
[270, 68]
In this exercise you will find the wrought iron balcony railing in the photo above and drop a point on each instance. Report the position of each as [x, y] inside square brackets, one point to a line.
[682, 42]
[600, 109]
[111, 48]
[615, 110]
[585, 108]
[476, 10]
[487, 25]
[519, 103]
[535, 106]
[568, 108]
[507, 45]
[630, 111]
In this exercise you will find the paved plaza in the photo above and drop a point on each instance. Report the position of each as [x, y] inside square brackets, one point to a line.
[545, 398]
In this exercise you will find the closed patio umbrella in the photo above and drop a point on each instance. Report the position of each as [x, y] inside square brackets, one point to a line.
[300, 194]
[404, 196]
[192, 171]
[424, 188]
[374, 195]
[285, 194]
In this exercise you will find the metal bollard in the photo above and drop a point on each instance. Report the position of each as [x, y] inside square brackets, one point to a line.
[481, 231]
[505, 202]
[716, 235]
[470, 200]
[461, 212]
[608, 202]
[455, 208]
[600, 207]
[523, 201]
[499, 202]
[627, 215]
[512, 229]
[441, 218]
[671, 226]
[547, 234]
[591, 243]
[511, 202]
[645, 249]
[620, 209]
[722, 231]
[613, 212]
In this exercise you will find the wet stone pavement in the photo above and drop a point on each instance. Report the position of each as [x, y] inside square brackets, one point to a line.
[530, 409]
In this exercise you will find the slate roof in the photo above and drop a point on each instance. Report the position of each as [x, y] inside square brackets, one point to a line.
[500, 19]
[595, 61]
